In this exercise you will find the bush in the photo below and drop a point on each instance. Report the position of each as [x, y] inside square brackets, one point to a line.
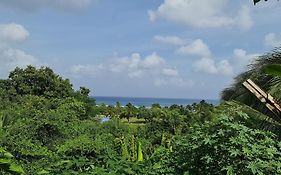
[227, 146]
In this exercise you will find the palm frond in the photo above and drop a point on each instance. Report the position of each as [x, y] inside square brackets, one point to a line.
[267, 82]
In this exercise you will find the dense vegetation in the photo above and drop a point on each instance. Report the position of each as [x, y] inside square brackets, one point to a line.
[49, 128]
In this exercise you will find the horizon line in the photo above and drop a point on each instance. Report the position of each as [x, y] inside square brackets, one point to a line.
[93, 96]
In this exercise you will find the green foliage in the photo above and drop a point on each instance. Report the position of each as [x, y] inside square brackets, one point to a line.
[39, 82]
[273, 69]
[7, 165]
[53, 129]
[130, 112]
[140, 155]
[268, 83]
[227, 146]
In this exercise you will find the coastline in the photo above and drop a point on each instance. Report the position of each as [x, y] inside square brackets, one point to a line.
[147, 102]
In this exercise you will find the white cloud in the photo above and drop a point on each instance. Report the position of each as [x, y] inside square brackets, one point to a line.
[33, 5]
[125, 63]
[176, 81]
[135, 62]
[151, 15]
[136, 74]
[12, 32]
[197, 47]
[205, 65]
[272, 40]
[244, 19]
[86, 69]
[201, 13]
[242, 59]
[224, 67]
[133, 68]
[11, 58]
[241, 55]
[174, 40]
[208, 65]
[153, 61]
[170, 72]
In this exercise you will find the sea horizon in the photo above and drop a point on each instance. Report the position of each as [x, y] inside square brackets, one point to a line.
[148, 101]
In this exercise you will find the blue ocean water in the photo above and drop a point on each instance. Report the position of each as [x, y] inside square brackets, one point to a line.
[147, 102]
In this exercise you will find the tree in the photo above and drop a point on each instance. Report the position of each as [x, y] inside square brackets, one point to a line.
[273, 69]
[129, 112]
[84, 91]
[39, 82]
[156, 105]
[118, 109]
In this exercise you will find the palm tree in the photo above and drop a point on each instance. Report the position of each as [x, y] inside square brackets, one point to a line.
[130, 112]
[271, 84]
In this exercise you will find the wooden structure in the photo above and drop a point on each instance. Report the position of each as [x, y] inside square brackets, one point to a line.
[265, 98]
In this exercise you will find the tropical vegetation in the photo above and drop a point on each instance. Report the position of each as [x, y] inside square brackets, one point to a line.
[47, 127]
[257, 72]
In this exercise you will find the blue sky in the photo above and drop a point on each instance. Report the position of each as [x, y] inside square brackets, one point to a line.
[139, 48]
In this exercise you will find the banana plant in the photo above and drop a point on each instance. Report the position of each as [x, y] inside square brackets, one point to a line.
[140, 155]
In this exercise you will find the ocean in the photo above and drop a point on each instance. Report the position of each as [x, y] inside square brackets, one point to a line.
[147, 102]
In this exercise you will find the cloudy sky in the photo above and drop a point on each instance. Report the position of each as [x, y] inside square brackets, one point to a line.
[140, 48]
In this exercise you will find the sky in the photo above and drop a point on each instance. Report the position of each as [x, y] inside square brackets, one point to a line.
[139, 48]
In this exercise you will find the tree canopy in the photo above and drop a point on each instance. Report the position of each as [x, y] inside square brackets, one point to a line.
[39, 82]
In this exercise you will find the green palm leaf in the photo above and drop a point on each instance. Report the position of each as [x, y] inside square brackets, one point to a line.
[266, 81]
[273, 69]
[15, 169]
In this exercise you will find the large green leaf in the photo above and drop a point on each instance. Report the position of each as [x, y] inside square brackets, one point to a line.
[15, 169]
[273, 69]
[5, 161]
[43, 172]
[8, 155]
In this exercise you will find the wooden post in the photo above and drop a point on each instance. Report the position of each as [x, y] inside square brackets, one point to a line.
[263, 97]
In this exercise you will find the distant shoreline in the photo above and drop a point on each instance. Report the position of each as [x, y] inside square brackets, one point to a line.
[171, 98]
[147, 102]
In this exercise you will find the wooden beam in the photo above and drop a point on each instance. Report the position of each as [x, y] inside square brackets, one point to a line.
[263, 97]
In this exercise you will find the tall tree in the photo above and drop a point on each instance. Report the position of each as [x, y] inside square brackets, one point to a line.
[39, 82]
